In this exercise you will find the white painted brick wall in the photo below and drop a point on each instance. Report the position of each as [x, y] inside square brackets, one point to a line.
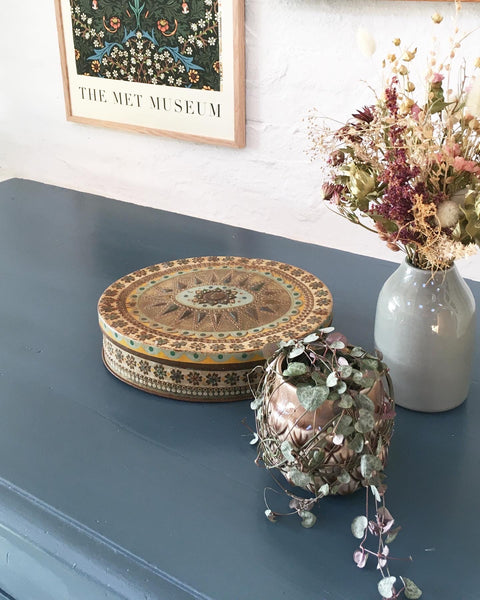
[300, 54]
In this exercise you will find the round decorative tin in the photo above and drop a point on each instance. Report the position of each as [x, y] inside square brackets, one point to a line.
[194, 329]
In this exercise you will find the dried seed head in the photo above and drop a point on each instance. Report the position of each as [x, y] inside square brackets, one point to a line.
[409, 55]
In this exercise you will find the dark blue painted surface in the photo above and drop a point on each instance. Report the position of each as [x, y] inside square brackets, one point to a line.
[109, 492]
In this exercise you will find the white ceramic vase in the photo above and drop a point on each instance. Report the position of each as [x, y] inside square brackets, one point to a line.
[425, 329]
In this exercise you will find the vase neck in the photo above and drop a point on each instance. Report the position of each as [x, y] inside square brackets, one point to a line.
[426, 274]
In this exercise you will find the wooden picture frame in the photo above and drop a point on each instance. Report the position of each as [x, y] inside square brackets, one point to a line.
[174, 67]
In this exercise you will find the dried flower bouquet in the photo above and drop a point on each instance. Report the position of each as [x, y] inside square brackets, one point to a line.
[408, 166]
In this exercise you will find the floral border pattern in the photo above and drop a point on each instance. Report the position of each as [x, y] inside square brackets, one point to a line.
[182, 383]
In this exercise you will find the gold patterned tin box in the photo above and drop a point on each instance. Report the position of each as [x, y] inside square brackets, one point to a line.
[194, 329]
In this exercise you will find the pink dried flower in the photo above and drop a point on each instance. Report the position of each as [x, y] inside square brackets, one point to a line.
[452, 149]
[415, 110]
[437, 78]
[460, 164]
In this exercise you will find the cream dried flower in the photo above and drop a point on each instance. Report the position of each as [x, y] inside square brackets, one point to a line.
[445, 251]
[448, 213]
[366, 42]
[472, 104]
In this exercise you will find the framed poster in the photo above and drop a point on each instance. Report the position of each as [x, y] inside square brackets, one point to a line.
[168, 67]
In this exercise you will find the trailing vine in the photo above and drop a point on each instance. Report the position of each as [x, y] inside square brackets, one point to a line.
[324, 413]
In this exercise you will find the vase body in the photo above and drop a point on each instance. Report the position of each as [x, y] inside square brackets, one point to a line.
[425, 329]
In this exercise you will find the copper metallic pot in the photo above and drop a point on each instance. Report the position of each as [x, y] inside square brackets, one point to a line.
[288, 420]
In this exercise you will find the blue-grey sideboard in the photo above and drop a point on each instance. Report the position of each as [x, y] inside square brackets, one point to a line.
[107, 492]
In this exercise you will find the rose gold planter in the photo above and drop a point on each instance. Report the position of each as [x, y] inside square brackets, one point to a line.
[289, 421]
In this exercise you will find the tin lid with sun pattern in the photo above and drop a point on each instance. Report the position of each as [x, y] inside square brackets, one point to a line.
[191, 328]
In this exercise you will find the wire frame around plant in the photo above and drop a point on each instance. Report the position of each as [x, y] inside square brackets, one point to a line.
[342, 442]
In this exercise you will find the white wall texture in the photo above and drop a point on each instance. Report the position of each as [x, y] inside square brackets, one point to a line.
[300, 54]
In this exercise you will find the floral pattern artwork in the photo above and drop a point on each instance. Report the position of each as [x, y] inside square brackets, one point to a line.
[160, 42]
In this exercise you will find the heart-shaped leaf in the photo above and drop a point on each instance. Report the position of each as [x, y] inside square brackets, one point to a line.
[371, 364]
[376, 493]
[345, 371]
[360, 557]
[327, 329]
[295, 369]
[365, 422]
[286, 449]
[318, 378]
[363, 401]
[317, 458]
[369, 464]
[385, 586]
[359, 526]
[312, 396]
[411, 591]
[356, 444]
[357, 352]
[332, 380]
[344, 477]
[270, 515]
[256, 403]
[299, 478]
[343, 425]
[345, 401]
[308, 518]
[338, 439]
[297, 351]
[336, 337]
[357, 377]
[324, 489]
[392, 535]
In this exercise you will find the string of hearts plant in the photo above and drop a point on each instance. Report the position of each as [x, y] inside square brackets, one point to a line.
[324, 413]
